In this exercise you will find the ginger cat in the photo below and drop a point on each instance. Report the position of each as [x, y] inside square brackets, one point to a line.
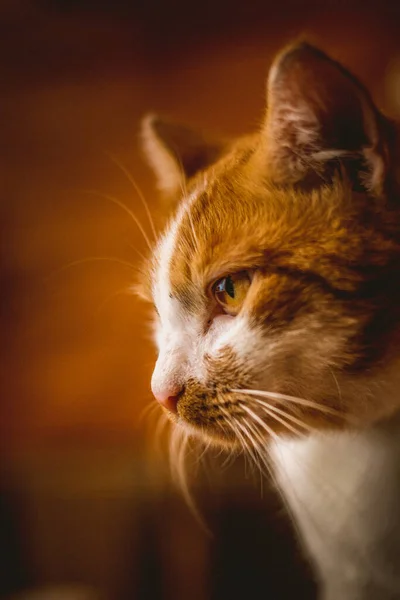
[277, 292]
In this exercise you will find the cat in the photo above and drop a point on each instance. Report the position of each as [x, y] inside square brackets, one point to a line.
[277, 297]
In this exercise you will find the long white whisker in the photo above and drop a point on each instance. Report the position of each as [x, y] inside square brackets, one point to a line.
[178, 453]
[88, 259]
[279, 419]
[137, 189]
[142, 256]
[204, 451]
[234, 426]
[156, 437]
[260, 448]
[258, 445]
[158, 433]
[251, 444]
[122, 292]
[285, 414]
[294, 399]
[149, 409]
[229, 457]
[242, 435]
[260, 422]
[124, 208]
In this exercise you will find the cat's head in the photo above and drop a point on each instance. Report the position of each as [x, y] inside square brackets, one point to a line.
[275, 272]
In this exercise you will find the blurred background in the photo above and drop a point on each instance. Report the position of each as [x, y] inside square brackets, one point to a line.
[87, 508]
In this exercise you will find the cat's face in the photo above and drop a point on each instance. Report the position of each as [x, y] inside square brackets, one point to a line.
[271, 274]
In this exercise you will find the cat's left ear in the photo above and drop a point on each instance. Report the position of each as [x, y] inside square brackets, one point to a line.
[177, 152]
[319, 114]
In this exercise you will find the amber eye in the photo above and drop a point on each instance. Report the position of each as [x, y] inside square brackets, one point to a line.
[231, 291]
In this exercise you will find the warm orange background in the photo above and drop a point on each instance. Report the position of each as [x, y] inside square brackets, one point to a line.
[75, 84]
[76, 78]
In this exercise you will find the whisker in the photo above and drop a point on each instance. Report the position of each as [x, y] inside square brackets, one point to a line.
[178, 440]
[178, 453]
[233, 426]
[121, 292]
[149, 410]
[257, 445]
[222, 450]
[337, 385]
[261, 449]
[294, 400]
[260, 422]
[137, 189]
[204, 451]
[124, 208]
[88, 259]
[162, 424]
[155, 422]
[231, 455]
[279, 419]
[246, 448]
[263, 462]
[250, 445]
[285, 414]
[142, 256]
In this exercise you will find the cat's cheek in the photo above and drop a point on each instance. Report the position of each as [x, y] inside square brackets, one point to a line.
[222, 321]
[220, 324]
[218, 331]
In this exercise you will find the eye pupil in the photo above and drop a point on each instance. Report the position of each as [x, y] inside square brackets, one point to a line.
[230, 291]
[229, 287]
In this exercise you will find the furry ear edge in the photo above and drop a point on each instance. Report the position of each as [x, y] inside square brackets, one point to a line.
[162, 162]
[176, 152]
[317, 111]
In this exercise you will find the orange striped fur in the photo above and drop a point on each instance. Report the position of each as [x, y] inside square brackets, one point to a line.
[309, 205]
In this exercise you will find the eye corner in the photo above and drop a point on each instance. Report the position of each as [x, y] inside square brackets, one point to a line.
[218, 282]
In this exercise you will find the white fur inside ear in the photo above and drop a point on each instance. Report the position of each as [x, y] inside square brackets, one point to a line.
[167, 171]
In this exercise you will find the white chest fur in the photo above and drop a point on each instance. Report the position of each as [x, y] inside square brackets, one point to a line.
[343, 491]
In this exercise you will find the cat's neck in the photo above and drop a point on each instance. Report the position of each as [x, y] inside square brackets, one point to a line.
[343, 490]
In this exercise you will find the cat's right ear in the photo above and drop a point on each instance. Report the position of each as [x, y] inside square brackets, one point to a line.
[176, 152]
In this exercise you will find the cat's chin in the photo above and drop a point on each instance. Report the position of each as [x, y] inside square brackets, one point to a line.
[207, 416]
[209, 434]
[205, 430]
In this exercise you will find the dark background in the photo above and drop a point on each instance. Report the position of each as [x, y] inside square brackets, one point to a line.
[84, 500]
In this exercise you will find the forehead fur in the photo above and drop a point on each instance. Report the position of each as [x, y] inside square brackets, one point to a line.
[234, 217]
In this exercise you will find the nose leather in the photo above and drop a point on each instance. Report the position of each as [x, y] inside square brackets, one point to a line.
[168, 397]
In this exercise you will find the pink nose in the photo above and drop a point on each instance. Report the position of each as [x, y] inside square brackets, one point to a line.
[168, 398]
